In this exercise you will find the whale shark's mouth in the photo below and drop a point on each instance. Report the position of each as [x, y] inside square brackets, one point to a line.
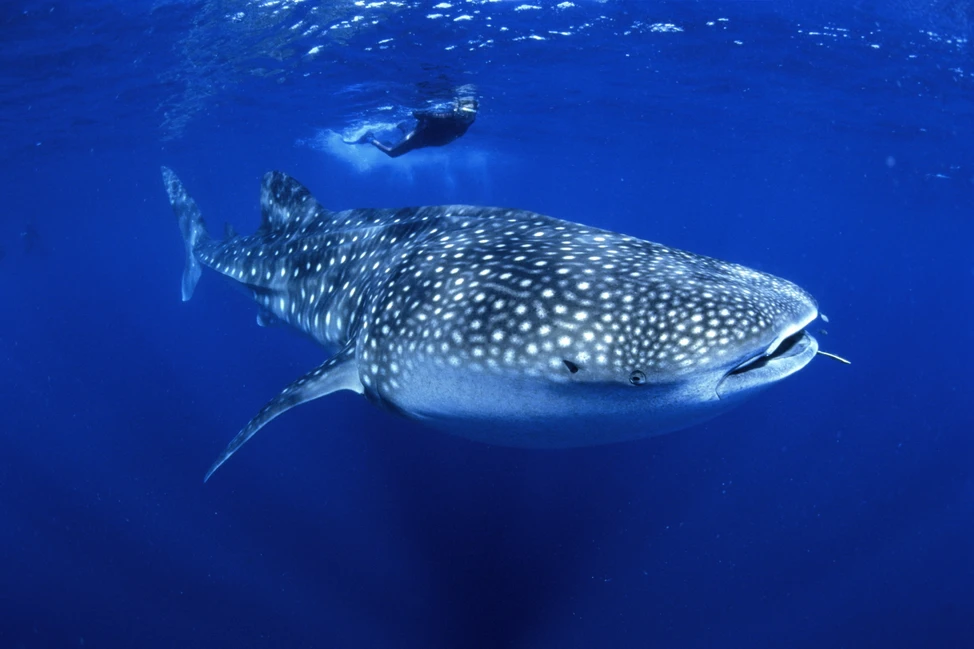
[788, 355]
[785, 349]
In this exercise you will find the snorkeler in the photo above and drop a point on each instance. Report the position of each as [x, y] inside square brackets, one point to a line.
[434, 127]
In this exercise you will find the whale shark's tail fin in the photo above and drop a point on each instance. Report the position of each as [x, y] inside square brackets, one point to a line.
[190, 224]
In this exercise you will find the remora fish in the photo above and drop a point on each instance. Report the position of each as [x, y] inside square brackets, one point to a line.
[503, 325]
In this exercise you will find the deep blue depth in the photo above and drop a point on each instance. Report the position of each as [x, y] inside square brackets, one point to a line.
[828, 143]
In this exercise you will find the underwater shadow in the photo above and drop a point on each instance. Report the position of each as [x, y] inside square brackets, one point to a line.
[502, 536]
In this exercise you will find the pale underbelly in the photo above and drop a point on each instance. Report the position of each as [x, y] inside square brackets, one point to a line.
[532, 413]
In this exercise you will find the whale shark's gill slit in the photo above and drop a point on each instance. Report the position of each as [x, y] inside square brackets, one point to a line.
[572, 367]
[781, 350]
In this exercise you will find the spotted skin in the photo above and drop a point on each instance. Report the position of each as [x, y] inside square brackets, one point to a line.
[504, 325]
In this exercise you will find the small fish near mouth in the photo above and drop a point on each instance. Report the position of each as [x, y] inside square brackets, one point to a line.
[835, 357]
[789, 356]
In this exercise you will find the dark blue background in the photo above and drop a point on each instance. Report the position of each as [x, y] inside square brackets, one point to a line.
[835, 510]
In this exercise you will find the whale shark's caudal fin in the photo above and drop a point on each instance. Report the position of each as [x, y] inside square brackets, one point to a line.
[340, 372]
[190, 224]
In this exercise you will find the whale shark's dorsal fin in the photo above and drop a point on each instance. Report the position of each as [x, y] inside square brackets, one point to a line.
[340, 372]
[286, 205]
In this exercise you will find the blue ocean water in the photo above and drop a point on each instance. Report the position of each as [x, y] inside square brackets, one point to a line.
[830, 143]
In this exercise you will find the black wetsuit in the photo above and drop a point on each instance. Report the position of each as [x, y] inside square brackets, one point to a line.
[433, 128]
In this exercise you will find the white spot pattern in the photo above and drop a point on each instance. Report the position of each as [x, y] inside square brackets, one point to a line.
[498, 290]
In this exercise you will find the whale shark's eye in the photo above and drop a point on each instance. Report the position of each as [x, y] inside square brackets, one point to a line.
[571, 366]
[637, 377]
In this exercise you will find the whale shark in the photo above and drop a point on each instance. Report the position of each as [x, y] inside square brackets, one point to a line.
[503, 325]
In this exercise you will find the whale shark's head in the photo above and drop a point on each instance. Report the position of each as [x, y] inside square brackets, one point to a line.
[729, 334]
[541, 337]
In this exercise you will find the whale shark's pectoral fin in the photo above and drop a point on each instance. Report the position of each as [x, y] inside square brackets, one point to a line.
[340, 372]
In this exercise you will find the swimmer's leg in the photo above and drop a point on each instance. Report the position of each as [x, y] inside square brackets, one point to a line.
[365, 139]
